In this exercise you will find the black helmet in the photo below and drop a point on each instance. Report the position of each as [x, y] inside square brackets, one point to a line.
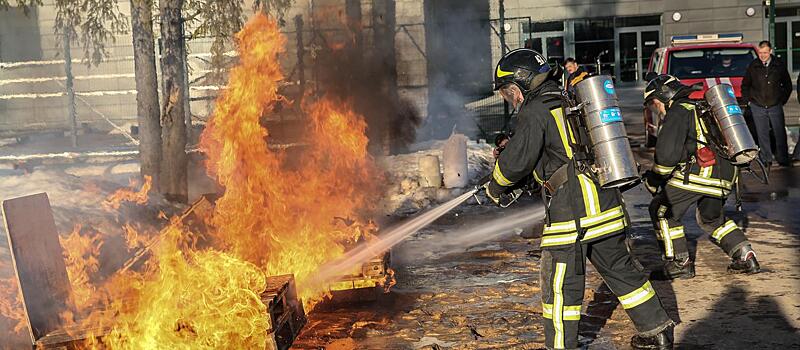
[665, 87]
[524, 67]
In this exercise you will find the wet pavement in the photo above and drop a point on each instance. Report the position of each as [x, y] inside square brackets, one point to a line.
[486, 296]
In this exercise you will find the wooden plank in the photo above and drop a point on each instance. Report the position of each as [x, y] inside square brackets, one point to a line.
[38, 261]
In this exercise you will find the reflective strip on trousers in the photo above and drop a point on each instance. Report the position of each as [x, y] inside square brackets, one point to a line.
[723, 230]
[588, 221]
[638, 296]
[592, 233]
[663, 225]
[711, 191]
[558, 305]
[571, 312]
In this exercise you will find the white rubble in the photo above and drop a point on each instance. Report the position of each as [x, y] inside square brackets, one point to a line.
[405, 193]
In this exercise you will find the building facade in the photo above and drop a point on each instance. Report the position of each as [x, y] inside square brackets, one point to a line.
[443, 50]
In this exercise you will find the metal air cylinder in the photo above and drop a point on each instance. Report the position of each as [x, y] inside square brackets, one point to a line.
[613, 158]
[737, 138]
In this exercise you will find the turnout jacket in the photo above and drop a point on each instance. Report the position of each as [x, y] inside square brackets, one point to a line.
[681, 134]
[540, 146]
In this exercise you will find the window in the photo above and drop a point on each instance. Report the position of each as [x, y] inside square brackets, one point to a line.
[539, 27]
[594, 29]
[704, 63]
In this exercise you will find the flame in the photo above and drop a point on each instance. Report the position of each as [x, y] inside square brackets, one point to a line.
[283, 212]
[279, 212]
[81, 258]
[114, 201]
[11, 301]
[186, 298]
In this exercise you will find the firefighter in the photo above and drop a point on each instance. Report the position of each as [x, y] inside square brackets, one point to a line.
[686, 172]
[583, 220]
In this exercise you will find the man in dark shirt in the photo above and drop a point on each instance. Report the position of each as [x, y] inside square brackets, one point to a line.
[767, 87]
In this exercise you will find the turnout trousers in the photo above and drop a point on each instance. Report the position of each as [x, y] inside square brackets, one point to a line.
[562, 290]
[667, 209]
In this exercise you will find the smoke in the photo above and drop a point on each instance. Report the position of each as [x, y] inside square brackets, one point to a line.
[368, 79]
[457, 36]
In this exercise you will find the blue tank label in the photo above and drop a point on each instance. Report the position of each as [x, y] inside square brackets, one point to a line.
[610, 115]
[730, 92]
[733, 109]
[608, 86]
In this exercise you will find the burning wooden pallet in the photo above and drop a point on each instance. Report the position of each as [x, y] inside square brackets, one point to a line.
[285, 311]
[366, 283]
[46, 289]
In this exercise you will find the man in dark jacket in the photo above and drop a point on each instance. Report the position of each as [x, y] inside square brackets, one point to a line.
[767, 87]
[575, 74]
[583, 219]
[686, 172]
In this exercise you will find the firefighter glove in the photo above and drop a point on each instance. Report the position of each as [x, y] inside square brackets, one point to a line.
[653, 181]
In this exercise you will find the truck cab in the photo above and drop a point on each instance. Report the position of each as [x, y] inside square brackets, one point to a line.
[707, 60]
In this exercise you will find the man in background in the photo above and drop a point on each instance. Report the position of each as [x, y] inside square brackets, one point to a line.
[766, 88]
[575, 74]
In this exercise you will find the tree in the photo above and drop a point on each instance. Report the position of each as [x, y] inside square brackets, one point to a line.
[174, 180]
[147, 106]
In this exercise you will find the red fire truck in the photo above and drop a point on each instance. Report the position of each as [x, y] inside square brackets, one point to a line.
[707, 59]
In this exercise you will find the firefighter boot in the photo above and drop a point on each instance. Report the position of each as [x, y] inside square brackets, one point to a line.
[660, 341]
[744, 261]
[675, 269]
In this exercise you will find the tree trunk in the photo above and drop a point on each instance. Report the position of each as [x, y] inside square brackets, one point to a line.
[383, 24]
[147, 107]
[174, 183]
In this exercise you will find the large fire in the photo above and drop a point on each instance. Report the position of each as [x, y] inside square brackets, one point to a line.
[277, 216]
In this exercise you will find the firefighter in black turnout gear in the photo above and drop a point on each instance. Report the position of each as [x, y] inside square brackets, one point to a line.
[541, 147]
[688, 171]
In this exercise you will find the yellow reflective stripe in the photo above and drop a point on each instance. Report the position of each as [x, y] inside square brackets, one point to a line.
[705, 172]
[591, 200]
[587, 221]
[592, 233]
[558, 305]
[665, 234]
[704, 180]
[501, 73]
[558, 115]
[571, 312]
[638, 296]
[673, 233]
[537, 178]
[499, 177]
[711, 191]
[663, 170]
[723, 230]
[605, 229]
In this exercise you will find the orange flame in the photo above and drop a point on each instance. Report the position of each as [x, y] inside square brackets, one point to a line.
[278, 216]
[81, 258]
[114, 201]
[11, 301]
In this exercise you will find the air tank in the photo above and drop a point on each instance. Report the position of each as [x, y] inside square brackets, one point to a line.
[738, 141]
[614, 162]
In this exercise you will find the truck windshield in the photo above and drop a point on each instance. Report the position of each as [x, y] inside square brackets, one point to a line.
[710, 62]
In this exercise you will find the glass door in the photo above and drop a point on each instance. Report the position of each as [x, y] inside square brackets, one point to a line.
[634, 46]
[549, 44]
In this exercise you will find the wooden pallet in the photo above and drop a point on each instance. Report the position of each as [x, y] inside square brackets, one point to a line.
[287, 316]
[363, 285]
